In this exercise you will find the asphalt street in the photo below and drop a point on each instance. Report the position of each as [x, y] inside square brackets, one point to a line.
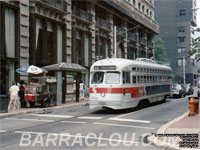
[82, 128]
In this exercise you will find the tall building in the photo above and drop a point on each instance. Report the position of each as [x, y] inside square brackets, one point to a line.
[177, 20]
[44, 32]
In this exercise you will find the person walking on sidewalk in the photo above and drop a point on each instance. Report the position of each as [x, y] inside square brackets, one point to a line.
[14, 89]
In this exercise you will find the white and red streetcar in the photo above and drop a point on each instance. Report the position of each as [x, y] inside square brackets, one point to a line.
[121, 83]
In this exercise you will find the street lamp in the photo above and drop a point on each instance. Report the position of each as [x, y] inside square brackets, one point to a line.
[115, 38]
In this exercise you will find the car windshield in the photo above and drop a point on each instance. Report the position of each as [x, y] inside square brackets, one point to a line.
[112, 78]
[177, 87]
[98, 78]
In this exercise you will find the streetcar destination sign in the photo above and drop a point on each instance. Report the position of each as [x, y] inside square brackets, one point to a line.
[104, 67]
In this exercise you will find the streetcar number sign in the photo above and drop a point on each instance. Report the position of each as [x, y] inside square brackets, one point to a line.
[104, 67]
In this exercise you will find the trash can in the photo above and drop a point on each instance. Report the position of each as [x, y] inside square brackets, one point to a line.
[4, 101]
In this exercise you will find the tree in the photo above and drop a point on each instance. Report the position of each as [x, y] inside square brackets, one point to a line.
[195, 47]
[160, 52]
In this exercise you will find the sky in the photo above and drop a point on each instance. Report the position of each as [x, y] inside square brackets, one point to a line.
[198, 13]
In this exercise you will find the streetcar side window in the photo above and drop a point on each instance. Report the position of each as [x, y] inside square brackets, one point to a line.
[134, 79]
[97, 78]
[134, 69]
[112, 78]
[126, 78]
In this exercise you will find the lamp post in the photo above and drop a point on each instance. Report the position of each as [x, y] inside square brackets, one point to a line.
[115, 38]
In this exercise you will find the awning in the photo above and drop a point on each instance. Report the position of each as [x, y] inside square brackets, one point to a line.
[64, 66]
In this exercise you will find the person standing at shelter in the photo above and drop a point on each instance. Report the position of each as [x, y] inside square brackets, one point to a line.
[81, 90]
[74, 90]
[14, 89]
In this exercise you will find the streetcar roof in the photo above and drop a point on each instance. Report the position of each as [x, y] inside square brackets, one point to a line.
[121, 63]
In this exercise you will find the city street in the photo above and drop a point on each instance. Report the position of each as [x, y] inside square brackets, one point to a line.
[88, 129]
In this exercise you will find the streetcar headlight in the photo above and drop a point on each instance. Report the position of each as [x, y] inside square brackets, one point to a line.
[103, 94]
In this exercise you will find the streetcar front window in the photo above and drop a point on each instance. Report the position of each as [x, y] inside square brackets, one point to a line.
[97, 78]
[112, 78]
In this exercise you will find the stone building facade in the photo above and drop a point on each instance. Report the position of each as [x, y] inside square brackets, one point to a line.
[52, 31]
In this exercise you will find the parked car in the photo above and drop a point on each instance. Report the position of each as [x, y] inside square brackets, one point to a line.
[189, 89]
[178, 90]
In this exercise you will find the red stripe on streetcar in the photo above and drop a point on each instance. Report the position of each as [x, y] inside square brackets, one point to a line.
[134, 91]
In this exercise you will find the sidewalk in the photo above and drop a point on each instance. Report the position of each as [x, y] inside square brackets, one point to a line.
[178, 133]
[68, 103]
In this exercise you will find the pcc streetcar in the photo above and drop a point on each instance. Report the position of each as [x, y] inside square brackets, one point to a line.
[121, 83]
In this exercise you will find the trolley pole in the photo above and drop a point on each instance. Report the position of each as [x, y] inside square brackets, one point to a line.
[115, 38]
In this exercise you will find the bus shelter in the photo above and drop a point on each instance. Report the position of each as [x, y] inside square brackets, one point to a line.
[61, 69]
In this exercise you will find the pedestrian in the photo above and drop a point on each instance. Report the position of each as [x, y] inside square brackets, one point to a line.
[21, 94]
[81, 86]
[84, 89]
[14, 89]
[74, 90]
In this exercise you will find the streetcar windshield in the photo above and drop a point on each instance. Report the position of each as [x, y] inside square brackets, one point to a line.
[112, 78]
[97, 78]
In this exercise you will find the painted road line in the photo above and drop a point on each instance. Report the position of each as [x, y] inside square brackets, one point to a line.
[129, 120]
[130, 113]
[29, 120]
[53, 116]
[3, 131]
[78, 122]
[80, 136]
[87, 117]
[29, 132]
[120, 125]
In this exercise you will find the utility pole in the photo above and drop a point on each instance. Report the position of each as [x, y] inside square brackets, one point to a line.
[184, 69]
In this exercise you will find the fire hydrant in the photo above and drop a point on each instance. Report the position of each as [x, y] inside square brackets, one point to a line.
[193, 106]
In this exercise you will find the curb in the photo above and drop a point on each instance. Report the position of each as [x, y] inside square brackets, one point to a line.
[162, 130]
[37, 110]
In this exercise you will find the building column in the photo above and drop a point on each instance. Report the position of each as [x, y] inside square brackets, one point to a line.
[59, 88]
[93, 32]
[68, 22]
[146, 47]
[110, 20]
[125, 44]
[74, 56]
[138, 43]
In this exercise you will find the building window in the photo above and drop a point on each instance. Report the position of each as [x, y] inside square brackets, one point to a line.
[143, 8]
[147, 12]
[9, 46]
[181, 39]
[139, 6]
[181, 49]
[181, 29]
[180, 62]
[134, 2]
[182, 12]
[49, 42]
[150, 14]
